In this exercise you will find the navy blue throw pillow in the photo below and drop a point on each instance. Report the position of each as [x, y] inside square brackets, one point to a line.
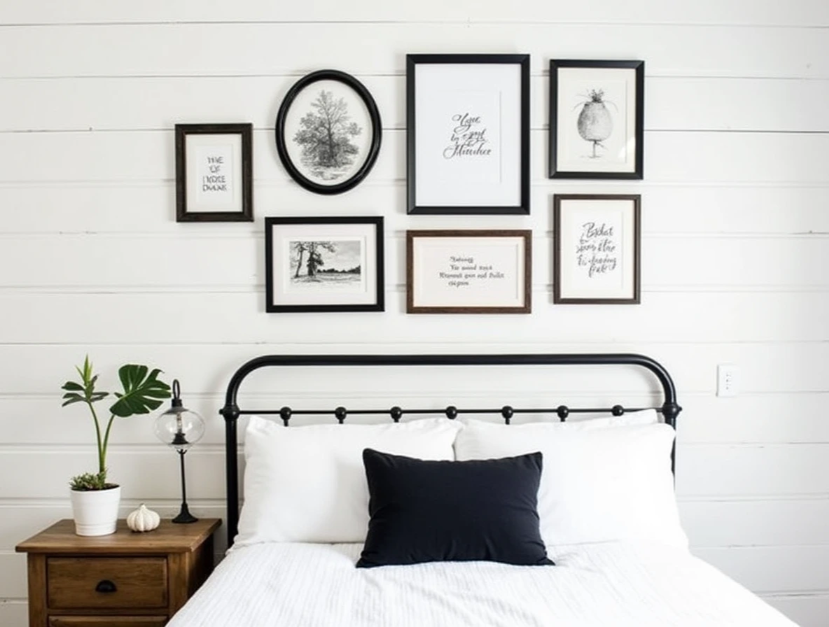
[428, 511]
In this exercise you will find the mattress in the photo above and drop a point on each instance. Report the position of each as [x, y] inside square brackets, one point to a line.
[618, 584]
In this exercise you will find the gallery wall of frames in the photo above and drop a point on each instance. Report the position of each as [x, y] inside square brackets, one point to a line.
[467, 153]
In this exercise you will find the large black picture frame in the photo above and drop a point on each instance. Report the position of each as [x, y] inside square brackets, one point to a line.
[352, 162]
[468, 133]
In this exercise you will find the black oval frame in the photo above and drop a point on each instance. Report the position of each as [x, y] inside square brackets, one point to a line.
[374, 115]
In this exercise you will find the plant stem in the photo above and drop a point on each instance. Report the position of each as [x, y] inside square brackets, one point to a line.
[103, 451]
[101, 455]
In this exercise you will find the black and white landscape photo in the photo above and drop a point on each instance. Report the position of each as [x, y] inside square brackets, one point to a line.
[326, 264]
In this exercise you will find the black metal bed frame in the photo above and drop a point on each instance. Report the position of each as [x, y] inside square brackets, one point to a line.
[231, 411]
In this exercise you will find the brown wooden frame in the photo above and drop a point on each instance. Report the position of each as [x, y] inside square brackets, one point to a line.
[558, 297]
[412, 307]
[183, 211]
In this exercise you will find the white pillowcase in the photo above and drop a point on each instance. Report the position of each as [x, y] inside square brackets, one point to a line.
[308, 484]
[602, 480]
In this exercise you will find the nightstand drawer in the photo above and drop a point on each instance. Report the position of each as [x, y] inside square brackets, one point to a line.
[107, 621]
[107, 582]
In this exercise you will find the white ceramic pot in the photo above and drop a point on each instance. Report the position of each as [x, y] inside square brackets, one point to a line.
[95, 511]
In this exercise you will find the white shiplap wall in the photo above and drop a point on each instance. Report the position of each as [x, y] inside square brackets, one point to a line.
[734, 262]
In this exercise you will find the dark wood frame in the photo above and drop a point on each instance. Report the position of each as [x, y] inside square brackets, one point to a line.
[412, 308]
[376, 139]
[639, 67]
[636, 200]
[183, 213]
[378, 305]
[523, 62]
[669, 408]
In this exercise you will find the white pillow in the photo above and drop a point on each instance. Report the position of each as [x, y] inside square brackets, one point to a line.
[599, 482]
[308, 484]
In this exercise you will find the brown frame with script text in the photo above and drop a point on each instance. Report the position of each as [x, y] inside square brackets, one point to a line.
[472, 296]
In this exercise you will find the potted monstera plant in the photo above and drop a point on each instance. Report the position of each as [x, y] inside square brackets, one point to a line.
[95, 499]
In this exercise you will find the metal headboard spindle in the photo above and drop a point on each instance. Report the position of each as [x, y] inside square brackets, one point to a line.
[231, 412]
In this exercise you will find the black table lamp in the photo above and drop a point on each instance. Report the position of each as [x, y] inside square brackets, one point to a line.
[180, 428]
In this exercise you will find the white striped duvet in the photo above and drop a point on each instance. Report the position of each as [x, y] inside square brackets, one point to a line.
[619, 585]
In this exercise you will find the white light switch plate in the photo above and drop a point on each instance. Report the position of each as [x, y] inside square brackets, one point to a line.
[727, 380]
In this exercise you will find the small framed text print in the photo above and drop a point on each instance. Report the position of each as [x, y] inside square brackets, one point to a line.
[324, 264]
[468, 133]
[596, 249]
[596, 119]
[473, 271]
[214, 173]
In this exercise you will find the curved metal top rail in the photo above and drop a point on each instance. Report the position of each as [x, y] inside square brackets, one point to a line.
[563, 359]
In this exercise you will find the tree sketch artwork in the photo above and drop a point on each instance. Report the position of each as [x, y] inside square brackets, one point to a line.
[326, 264]
[595, 122]
[325, 135]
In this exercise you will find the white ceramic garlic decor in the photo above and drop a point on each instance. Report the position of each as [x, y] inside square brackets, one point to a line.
[143, 519]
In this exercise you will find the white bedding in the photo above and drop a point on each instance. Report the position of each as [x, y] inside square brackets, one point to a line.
[608, 584]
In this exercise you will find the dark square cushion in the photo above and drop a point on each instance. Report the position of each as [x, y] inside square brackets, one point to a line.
[427, 511]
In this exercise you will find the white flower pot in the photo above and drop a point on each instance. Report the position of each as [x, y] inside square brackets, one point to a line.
[95, 511]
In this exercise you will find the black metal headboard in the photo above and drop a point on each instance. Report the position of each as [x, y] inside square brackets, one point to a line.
[231, 411]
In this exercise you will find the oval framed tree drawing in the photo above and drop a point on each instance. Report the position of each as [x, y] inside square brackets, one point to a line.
[328, 132]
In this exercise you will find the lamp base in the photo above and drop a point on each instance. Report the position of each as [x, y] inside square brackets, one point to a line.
[184, 516]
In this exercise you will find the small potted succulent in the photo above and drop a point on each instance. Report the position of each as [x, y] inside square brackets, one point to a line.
[95, 500]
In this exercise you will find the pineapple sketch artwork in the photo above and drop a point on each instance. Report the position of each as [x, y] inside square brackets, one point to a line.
[595, 122]
[325, 133]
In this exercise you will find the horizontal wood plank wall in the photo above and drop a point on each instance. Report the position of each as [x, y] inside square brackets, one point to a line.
[734, 260]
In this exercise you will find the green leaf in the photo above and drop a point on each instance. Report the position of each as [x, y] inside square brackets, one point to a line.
[72, 398]
[143, 392]
[84, 391]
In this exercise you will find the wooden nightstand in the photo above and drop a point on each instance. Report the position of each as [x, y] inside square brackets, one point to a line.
[126, 578]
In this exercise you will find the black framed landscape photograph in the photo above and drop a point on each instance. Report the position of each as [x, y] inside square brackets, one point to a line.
[596, 242]
[324, 264]
[468, 133]
[328, 132]
[469, 271]
[596, 119]
[214, 172]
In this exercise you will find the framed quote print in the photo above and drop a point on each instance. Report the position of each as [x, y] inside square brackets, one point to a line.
[469, 271]
[214, 172]
[596, 249]
[468, 133]
[328, 132]
[596, 119]
[324, 264]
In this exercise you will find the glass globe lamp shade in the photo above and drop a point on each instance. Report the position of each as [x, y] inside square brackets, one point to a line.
[179, 427]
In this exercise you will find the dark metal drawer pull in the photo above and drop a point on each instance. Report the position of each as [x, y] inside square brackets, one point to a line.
[106, 586]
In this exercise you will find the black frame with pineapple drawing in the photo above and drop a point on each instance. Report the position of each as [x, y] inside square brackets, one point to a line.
[596, 119]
